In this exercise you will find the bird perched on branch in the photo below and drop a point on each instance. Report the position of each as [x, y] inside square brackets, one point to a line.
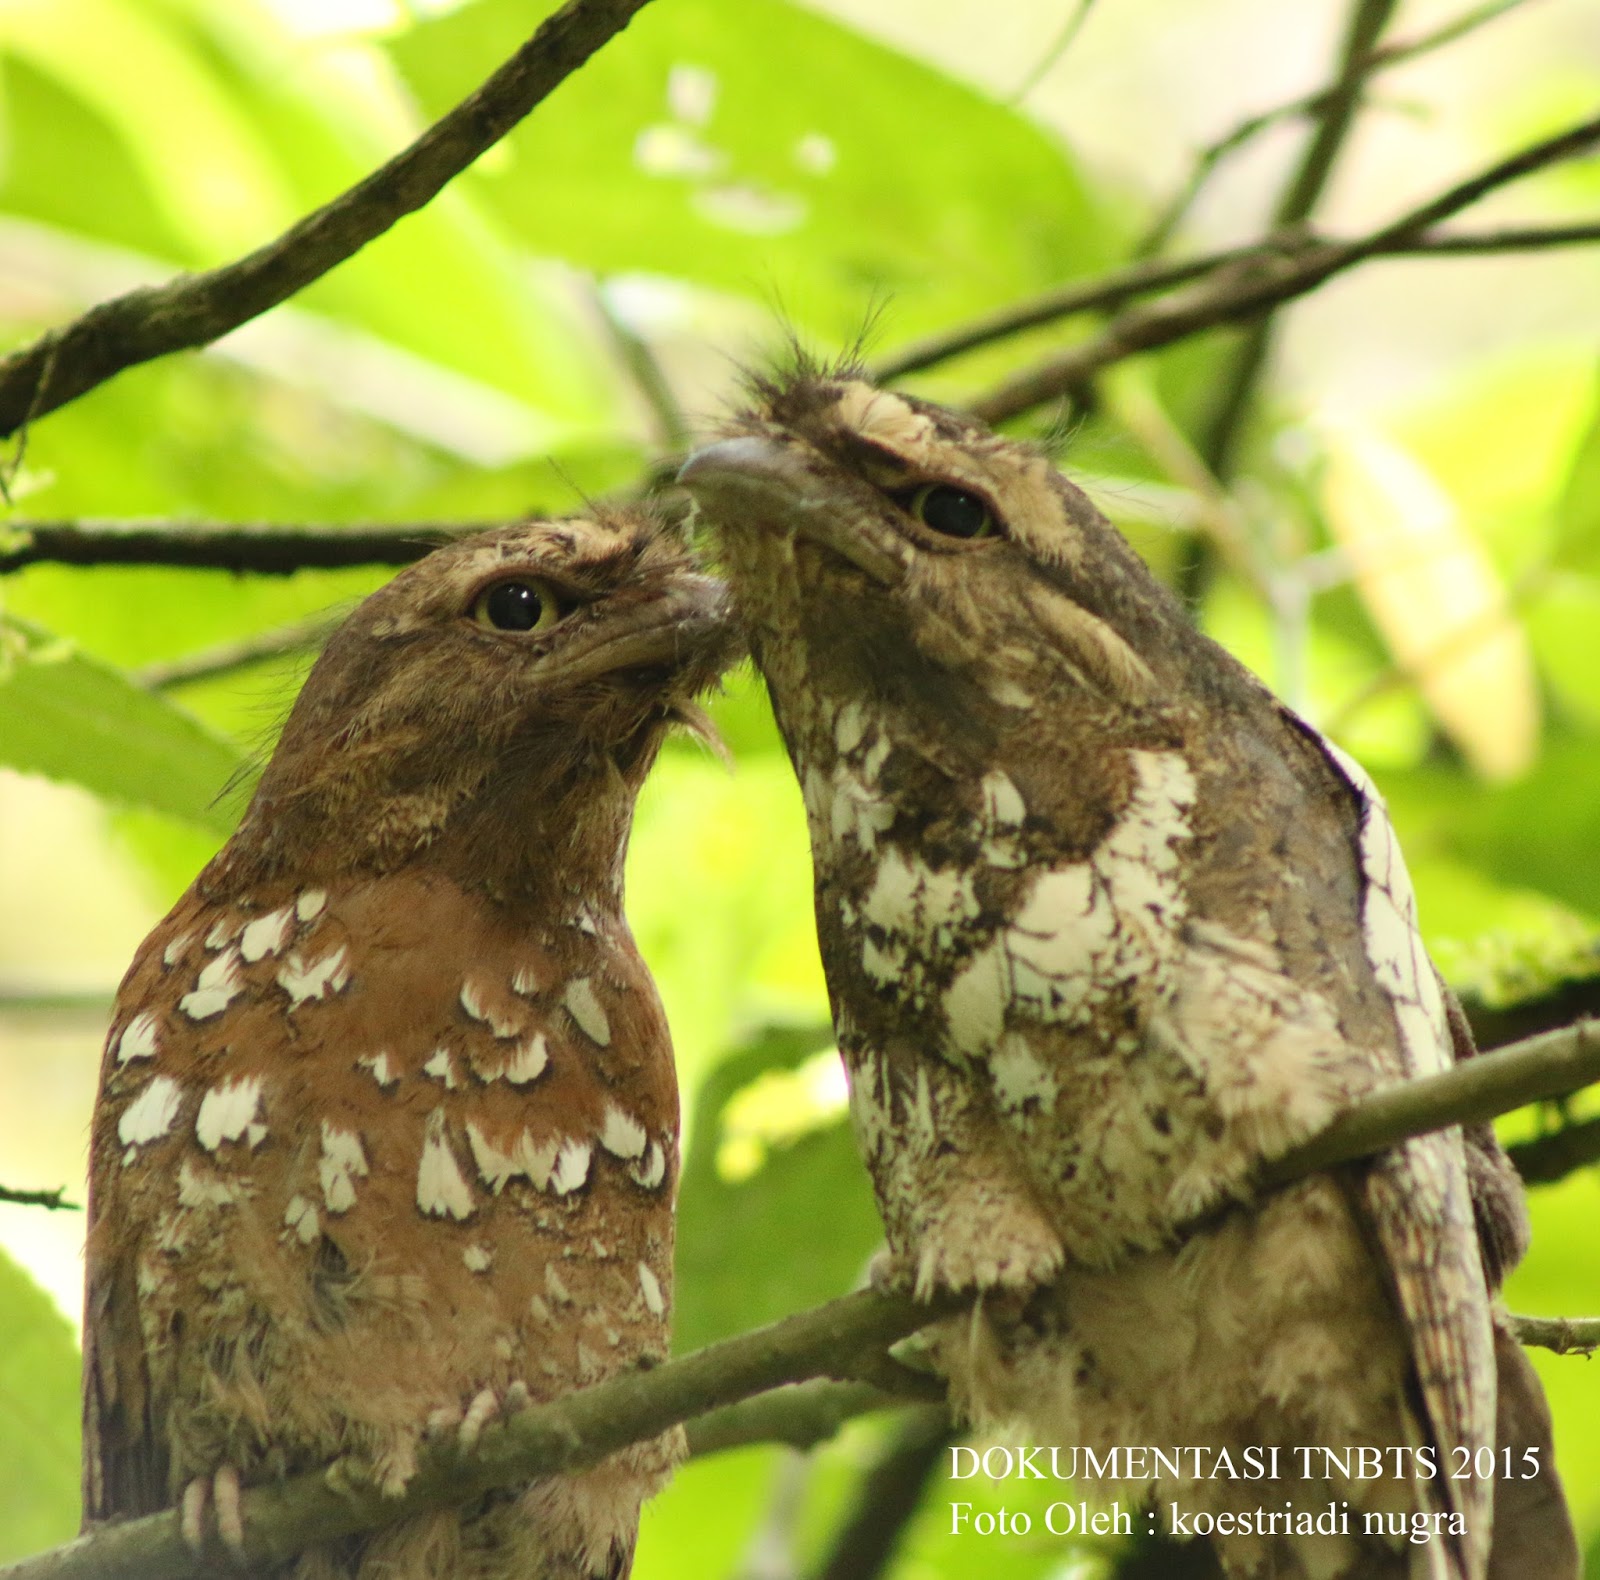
[1106, 926]
[386, 1141]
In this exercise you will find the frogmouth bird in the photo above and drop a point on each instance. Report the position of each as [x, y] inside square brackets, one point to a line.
[386, 1139]
[1106, 926]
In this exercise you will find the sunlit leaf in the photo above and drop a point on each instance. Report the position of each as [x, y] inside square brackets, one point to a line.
[1436, 597]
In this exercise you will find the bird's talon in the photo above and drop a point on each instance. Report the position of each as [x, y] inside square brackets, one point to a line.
[230, 1515]
[485, 1407]
[192, 1518]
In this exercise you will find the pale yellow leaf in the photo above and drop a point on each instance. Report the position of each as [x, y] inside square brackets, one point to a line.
[1435, 596]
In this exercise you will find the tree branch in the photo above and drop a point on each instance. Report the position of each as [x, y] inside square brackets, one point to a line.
[1564, 1335]
[1314, 103]
[226, 658]
[194, 309]
[1143, 278]
[1335, 121]
[1149, 276]
[283, 1518]
[801, 1415]
[1471, 1092]
[1258, 284]
[1546, 1159]
[838, 1340]
[264, 548]
[55, 1199]
[887, 1497]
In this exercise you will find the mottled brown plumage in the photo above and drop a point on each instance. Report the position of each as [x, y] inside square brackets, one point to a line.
[387, 1133]
[1105, 926]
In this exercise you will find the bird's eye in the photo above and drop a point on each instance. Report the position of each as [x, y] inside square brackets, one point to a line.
[953, 512]
[516, 606]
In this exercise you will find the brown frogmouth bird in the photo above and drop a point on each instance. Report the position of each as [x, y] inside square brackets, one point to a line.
[386, 1141]
[1105, 926]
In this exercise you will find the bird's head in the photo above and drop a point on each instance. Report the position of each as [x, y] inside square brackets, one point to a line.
[505, 692]
[923, 561]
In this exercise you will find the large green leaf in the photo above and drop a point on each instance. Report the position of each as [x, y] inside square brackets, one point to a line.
[67, 716]
[765, 150]
[38, 1418]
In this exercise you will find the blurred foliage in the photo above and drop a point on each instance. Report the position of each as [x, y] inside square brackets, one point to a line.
[713, 169]
[38, 1418]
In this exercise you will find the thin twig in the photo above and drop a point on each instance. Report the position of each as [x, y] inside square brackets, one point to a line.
[1313, 103]
[193, 310]
[1564, 1335]
[1080, 296]
[1253, 287]
[283, 1518]
[673, 432]
[1054, 50]
[800, 1416]
[55, 1200]
[1459, 642]
[1335, 121]
[227, 658]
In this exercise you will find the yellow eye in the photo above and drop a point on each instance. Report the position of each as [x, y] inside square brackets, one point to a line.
[516, 605]
[953, 512]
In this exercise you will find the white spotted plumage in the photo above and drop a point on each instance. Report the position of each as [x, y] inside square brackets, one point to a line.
[231, 1111]
[387, 1116]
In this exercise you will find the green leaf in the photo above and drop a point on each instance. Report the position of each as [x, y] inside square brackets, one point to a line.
[70, 717]
[786, 159]
[38, 1418]
[750, 1251]
[1541, 834]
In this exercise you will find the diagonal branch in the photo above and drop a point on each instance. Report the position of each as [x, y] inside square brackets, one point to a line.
[1149, 276]
[839, 1340]
[1473, 1091]
[1258, 285]
[194, 309]
[227, 658]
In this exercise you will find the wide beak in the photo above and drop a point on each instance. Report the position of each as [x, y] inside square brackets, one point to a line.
[755, 482]
[688, 628]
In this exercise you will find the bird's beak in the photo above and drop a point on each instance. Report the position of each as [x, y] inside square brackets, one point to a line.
[751, 481]
[688, 629]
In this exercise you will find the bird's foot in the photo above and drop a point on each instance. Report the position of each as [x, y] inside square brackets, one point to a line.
[219, 1491]
[468, 1421]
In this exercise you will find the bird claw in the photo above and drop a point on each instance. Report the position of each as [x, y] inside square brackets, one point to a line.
[221, 1492]
[485, 1406]
[890, 1273]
